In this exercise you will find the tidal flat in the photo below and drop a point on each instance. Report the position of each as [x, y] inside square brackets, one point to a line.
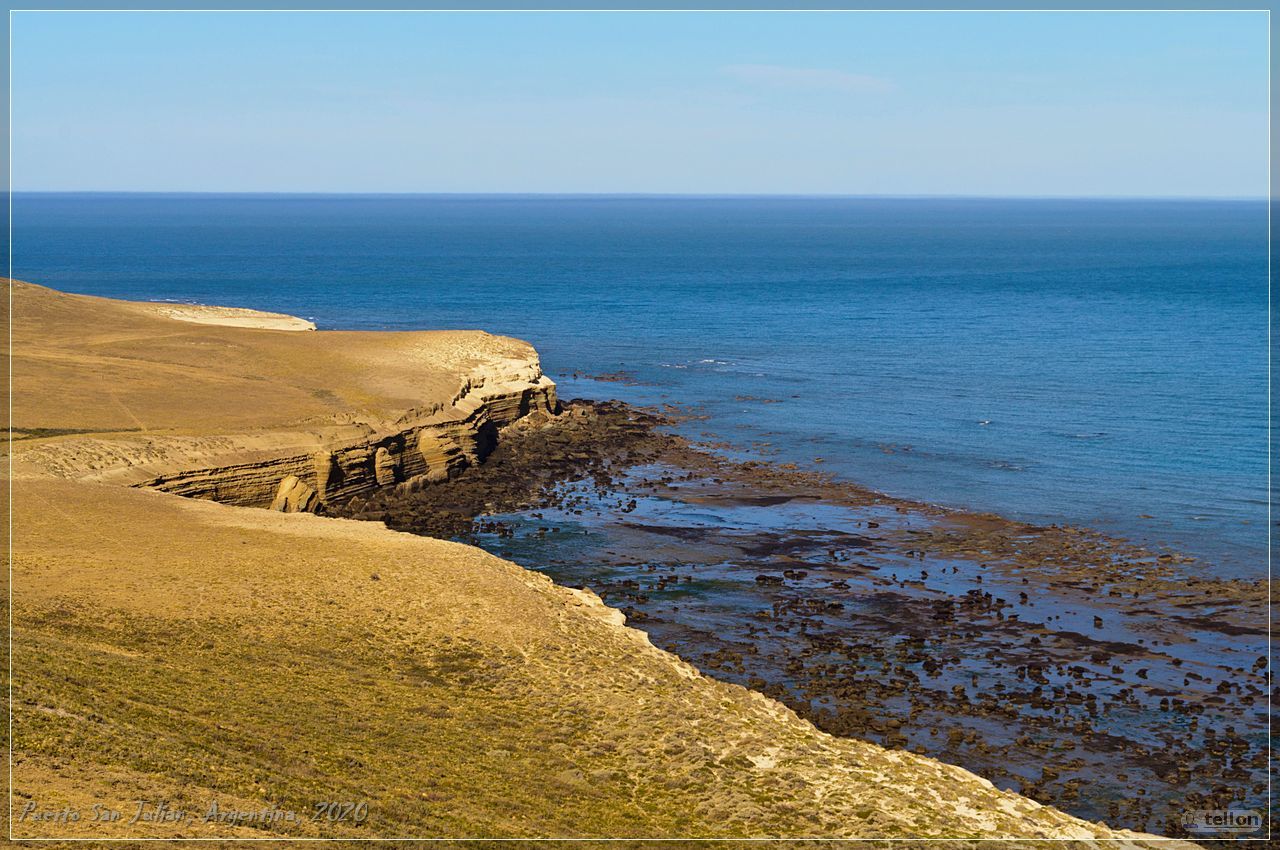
[1110, 680]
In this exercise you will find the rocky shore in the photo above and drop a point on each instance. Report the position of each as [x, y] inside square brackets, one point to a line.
[199, 651]
[1077, 669]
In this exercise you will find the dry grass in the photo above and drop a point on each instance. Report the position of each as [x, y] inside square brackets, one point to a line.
[103, 365]
[191, 651]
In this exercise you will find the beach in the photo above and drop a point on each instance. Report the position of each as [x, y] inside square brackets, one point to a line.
[187, 651]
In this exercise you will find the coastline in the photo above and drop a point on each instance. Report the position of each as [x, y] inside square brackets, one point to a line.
[1077, 668]
[275, 638]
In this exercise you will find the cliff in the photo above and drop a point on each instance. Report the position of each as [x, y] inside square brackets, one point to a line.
[197, 651]
[138, 398]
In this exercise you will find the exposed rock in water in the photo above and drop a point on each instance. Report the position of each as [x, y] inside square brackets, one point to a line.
[586, 439]
[899, 629]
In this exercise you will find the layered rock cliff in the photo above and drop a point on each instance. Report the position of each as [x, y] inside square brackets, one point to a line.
[417, 451]
[300, 452]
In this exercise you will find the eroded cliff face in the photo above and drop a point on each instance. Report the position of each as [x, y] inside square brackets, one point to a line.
[255, 416]
[423, 451]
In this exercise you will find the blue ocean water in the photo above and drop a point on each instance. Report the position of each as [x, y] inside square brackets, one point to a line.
[1094, 362]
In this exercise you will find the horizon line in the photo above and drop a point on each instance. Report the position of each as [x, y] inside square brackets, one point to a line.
[636, 195]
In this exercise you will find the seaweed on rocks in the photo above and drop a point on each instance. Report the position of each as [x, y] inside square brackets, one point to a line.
[1078, 669]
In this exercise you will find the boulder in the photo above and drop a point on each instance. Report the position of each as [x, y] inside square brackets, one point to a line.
[295, 496]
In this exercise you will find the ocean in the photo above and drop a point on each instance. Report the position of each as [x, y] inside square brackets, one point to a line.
[1092, 362]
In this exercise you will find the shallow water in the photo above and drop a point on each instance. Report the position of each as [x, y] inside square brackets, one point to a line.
[1128, 710]
[1095, 362]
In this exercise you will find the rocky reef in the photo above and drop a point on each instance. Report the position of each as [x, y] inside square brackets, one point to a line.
[1071, 667]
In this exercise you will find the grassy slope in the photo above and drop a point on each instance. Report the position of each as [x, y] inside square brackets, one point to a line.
[192, 650]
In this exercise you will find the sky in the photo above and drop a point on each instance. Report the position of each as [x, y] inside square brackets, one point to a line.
[1059, 104]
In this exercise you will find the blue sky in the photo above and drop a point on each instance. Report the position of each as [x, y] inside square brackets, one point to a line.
[1147, 104]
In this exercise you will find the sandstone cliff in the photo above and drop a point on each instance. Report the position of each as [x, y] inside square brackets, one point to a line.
[133, 397]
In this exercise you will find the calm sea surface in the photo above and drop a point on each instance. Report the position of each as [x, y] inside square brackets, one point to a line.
[1092, 362]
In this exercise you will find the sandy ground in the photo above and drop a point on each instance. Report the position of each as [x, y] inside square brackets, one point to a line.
[233, 317]
[186, 652]
[100, 365]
